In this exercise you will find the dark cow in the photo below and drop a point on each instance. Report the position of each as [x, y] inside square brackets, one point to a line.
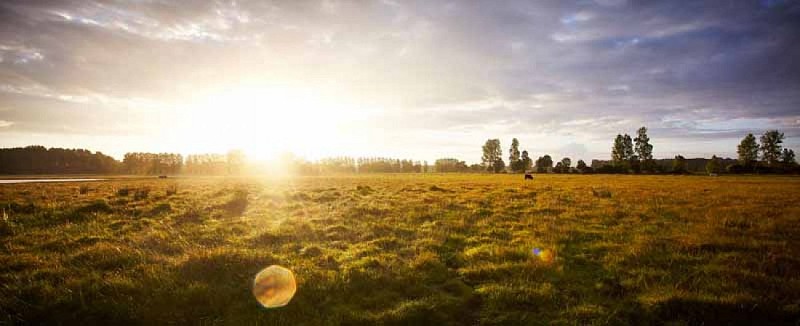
[528, 176]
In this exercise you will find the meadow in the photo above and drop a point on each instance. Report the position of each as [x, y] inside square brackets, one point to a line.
[452, 249]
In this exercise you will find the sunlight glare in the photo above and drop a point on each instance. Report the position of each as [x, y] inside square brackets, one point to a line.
[263, 121]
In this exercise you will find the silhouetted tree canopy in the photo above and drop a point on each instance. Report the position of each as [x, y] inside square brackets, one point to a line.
[492, 155]
[771, 146]
[40, 160]
[544, 163]
[748, 151]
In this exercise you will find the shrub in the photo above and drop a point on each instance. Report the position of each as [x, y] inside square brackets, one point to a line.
[84, 189]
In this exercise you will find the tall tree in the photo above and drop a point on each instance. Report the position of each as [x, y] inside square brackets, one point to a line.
[771, 146]
[513, 153]
[748, 151]
[628, 144]
[644, 149]
[492, 153]
[618, 151]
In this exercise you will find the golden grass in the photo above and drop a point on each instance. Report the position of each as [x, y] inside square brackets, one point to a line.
[404, 249]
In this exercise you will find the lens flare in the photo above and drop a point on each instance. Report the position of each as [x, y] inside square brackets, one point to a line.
[274, 286]
[545, 255]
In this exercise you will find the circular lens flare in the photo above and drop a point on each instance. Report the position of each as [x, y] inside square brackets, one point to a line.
[274, 286]
[545, 255]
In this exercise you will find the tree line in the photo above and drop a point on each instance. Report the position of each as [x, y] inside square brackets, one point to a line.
[40, 160]
[768, 156]
[635, 155]
[346, 164]
[520, 161]
[628, 155]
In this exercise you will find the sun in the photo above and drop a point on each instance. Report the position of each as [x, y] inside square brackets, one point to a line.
[264, 121]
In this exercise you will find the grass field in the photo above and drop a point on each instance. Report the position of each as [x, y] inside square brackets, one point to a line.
[404, 249]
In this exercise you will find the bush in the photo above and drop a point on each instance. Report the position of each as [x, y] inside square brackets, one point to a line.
[84, 189]
[172, 190]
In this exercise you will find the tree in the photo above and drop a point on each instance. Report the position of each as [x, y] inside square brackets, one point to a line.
[513, 156]
[450, 165]
[634, 164]
[499, 165]
[714, 165]
[543, 163]
[618, 151]
[581, 166]
[526, 161]
[622, 152]
[644, 150]
[628, 143]
[559, 168]
[787, 157]
[679, 164]
[748, 151]
[40, 160]
[492, 154]
[771, 146]
[566, 164]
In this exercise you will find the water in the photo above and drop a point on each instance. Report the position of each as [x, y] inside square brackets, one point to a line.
[10, 181]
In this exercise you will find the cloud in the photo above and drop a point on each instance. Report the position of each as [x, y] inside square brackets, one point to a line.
[583, 71]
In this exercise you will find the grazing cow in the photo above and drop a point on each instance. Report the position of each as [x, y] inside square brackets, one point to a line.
[162, 177]
[528, 176]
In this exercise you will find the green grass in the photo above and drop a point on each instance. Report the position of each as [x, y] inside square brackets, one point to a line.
[404, 249]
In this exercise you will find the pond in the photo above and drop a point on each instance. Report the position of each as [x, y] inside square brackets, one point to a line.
[10, 181]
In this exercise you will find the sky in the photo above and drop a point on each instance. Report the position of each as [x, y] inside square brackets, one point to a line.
[408, 79]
